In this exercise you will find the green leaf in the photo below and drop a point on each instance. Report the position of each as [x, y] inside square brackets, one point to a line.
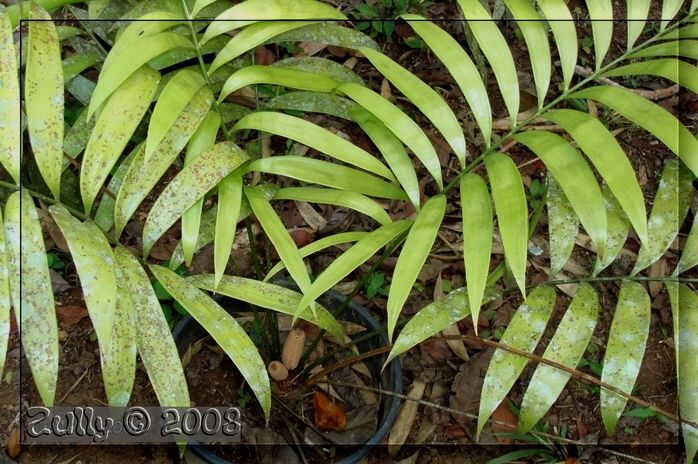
[477, 238]
[313, 136]
[156, 346]
[669, 10]
[601, 19]
[229, 201]
[433, 318]
[399, 124]
[624, 350]
[563, 226]
[249, 38]
[327, 174]
[461, 67]
[675, 70]
[618, 227]
[610, 161]
[224, 329]
[77, 63]
[566, 347]
[650, 116]
[562, 24]
[319, 245]
[9, 100]
[689, 254]
[268, 296]
[94, 262]
[512, 213]
[352, 200]
[671, 204]
[286, 77]
[142, 177]
[250, 11]
[535, 35]
[313, 102]
[104, 216]
[576, 179]
[429, 102]
[30, 290]
[413, 256]
[687, 32]
[687, 352]
[188, 186]
[684, 48]
[177, 93]
[330, 34]
[203, 138]
[496, 50]
[43, 98]
[523, 333]
[637, 15]
[353, 258]
[392, 150]
[322, 66]
[115, 125]
[129, 60]
[78, 136]
[5, 303]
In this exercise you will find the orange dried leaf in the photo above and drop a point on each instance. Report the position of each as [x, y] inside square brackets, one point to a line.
[328, 415]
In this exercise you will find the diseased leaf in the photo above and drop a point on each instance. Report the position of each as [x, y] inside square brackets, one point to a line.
[313, 136]
[30, 290]
[669, 210]
[142, 177]
[352, 200]
[156, 346]
[562, 24]
[353, 258]
[618, 227]
[413, 256]
[689, 254]
[188, 186]
[624, 350]
[327, 174]
[312, 102]
[563, 226]
[5, 303]
[477, 238]
[433, 318]
[610, 161]
[225, 331]
[399, 124]
[673, 69]
[291, 78]
[687, 352]
[9, 101]
[229, 202]
[115, 125]
[328, 33]
[76, 137]
[323, 66]
[43, 98]
[268, 296]
[104, 216]
[512, 213]
[523, 333]
[566, 347]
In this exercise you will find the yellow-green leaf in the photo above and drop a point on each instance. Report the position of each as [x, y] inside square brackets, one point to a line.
[689, 254]
[601, 19]
[227, 214]
[562, 24]
[104, 216]
[5, 303]
[687, 352]
[9, 100]
[637, 16]
[685, 48]
[678, 71]
[563, 226]
[669, 10]
[618, 227]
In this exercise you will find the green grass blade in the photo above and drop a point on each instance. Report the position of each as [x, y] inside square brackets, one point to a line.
[9, 100]
[563, 226]
[313, 136]
[203, 139]
[327, 174]
[229, 201]
[268, 296]
[429, 102]
[477, 238]
[30, 290]
[399, 124]
[188, 186]
[348, 261]
[523, 333]
[115, 125]
[43, 98]
[574, 176]
[319, 245]
[512, 213]
[413, 256]
[624, 350]
[610, 161]
[154, 341]
[670, 207]
[651, 117]
[461, 67]
[5, 303]
[392, 150]
[680, 72]
[224, 329]
[566, 347]
[601, 19]
[496, 50]
[562, 24]
[618, 227]
[687, 352]
[637, 16]
[352, 200]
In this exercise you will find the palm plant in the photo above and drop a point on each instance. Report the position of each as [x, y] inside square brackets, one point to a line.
[144, 64]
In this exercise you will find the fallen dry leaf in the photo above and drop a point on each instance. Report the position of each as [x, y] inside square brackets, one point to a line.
[70, 315]
[14, 447]
[328, 415]
[503, 421]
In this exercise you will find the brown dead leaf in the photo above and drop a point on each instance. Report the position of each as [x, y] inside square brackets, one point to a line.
[263, 56]
[14, 447]
[311, 48]
[70, 315]
[503, 421]
[385, 89]
[328, 415]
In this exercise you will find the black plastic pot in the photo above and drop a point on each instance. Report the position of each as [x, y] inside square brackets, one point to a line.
[188, 331]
